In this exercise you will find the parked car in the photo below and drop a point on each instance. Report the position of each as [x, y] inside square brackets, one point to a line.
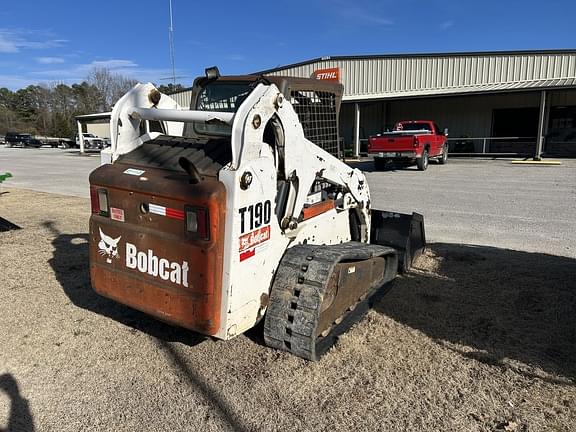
[22, 139]
[67, 142]
[91, 141]
[413, 141]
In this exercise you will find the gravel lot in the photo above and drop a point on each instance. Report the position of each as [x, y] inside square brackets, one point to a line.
[480, 337]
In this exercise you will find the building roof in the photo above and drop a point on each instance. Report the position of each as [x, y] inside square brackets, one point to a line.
[416, 55]
[538, 84]
[87, 118]
[428, 74]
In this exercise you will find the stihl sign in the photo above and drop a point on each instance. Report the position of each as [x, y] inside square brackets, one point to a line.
[332, 74]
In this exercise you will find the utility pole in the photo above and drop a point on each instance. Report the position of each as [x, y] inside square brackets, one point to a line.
[171, 35]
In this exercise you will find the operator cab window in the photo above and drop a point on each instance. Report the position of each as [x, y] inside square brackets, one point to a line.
[220, 97]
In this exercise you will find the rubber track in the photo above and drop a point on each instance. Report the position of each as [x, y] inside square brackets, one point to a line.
[298, 290]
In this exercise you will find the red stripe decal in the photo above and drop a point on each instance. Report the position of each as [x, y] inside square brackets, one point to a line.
[174, 214]
[247, 254]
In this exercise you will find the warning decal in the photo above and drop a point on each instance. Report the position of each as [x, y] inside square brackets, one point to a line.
[117, 214]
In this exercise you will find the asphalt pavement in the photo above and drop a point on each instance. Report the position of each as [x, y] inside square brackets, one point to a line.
[528, 208]
[470, 201]
[47, 169]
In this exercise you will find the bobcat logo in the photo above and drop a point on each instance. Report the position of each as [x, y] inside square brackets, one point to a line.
[108, 247]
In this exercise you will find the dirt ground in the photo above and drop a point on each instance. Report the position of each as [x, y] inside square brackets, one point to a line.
[475, 339]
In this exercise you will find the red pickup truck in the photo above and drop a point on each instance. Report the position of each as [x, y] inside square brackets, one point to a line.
[414, 141]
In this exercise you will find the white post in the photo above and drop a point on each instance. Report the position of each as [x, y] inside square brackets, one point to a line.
[80, 136]
[541, 127]
[356, 130]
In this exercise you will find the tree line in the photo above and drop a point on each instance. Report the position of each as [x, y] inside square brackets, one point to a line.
[49, 110]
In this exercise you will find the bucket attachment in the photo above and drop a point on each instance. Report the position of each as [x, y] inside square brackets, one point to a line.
[403, 232]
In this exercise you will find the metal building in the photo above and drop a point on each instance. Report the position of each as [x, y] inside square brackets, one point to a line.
[520, 102]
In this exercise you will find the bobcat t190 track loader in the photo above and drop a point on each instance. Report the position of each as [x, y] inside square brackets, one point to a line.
[238, 209]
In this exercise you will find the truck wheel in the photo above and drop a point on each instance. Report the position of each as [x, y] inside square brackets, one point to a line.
[379, 163]
[444, 157]
[422, 162]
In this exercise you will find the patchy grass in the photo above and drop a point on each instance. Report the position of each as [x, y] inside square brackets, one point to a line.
[475, 339]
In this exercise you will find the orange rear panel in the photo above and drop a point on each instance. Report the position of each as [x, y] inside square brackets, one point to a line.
[146, 259]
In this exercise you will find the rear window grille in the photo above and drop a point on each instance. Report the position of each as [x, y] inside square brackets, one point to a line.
[317, 113]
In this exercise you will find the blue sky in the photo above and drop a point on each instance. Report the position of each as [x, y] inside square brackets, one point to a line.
[61, 41]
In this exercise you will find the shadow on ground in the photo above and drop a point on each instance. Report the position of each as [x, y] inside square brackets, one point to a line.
[70, 263]
[218, 402]
[20, 417]
[502, 304]
[368, 166]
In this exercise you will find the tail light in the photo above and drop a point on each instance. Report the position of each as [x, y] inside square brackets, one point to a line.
[415, 141]
[197, 222]
[99, 201]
